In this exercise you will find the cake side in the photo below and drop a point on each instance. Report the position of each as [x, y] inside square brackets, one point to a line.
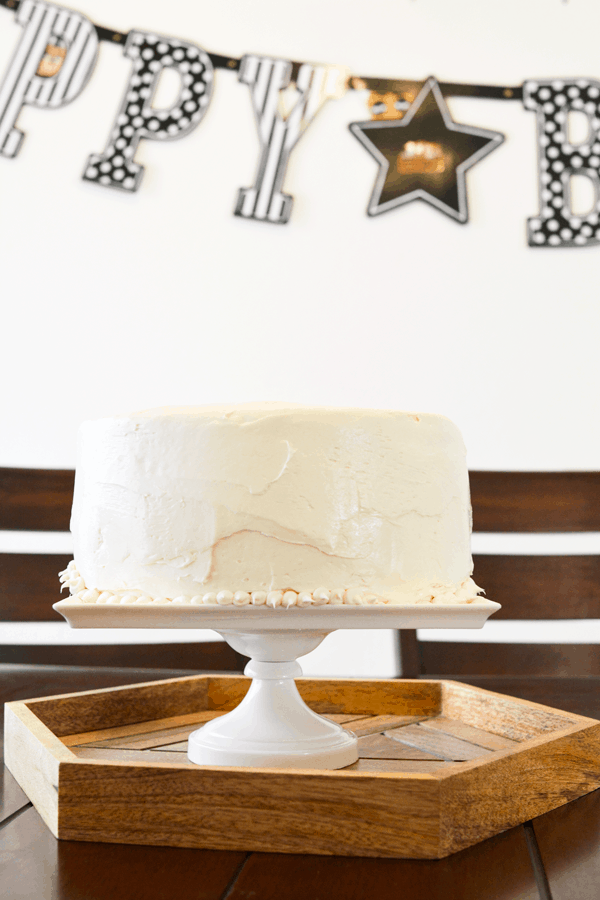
[188, 504]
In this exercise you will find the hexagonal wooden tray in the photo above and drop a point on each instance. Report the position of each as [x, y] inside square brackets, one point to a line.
[442, 766]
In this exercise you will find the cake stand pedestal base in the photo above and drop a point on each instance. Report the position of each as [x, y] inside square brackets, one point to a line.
[273, 727]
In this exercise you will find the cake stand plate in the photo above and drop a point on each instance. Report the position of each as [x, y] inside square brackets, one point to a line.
[273, 726]
[265, 618]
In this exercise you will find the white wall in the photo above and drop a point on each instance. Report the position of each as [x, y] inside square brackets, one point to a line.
[117, 302]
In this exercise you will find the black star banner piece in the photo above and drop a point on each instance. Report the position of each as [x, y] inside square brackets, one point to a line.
[424, 155]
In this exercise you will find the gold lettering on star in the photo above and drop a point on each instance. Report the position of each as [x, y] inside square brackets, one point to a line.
[421, 158]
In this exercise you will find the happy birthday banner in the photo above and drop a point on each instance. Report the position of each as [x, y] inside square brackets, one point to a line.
[420, 151]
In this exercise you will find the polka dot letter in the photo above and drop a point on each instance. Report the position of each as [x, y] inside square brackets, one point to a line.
[138, 119]
[556, 225]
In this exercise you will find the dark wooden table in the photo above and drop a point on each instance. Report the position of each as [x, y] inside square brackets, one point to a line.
[558, 855]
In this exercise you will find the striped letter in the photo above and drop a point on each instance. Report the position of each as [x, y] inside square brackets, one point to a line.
[52, 28]
[559, 159]
[278, 134]
[138, 119]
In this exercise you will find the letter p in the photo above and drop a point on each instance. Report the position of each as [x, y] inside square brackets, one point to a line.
[45, 26]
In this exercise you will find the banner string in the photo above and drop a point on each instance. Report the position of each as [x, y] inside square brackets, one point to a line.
[357, 83]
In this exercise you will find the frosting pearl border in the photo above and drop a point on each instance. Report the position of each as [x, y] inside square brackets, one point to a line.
[71, 578]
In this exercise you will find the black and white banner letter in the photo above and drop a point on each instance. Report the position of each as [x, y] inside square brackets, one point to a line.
[137, 118]
[47, 29]
[559, 159]
[278, 133]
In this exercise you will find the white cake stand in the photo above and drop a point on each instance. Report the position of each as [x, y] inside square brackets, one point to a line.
[273, 726]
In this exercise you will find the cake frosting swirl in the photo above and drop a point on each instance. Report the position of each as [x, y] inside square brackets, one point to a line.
[222, 505]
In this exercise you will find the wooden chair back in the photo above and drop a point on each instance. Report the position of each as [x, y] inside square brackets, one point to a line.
[528, 587]
[40, 500]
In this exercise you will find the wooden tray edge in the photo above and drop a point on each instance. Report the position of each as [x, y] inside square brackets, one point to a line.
[565, 766]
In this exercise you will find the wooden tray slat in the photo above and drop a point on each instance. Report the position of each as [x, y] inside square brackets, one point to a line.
[378, 724]
[153, 736]
[344, 718]
[379, 746]
[180, 747]
[476, 736]
[121, 754]
[399, 766]
[444, 746]
[442, 766]
[137, 729]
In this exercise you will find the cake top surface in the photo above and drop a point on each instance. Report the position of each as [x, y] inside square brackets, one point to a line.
[264, 409]
[241, 414]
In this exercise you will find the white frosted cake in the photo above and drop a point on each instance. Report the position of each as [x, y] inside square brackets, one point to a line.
[271, 504]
